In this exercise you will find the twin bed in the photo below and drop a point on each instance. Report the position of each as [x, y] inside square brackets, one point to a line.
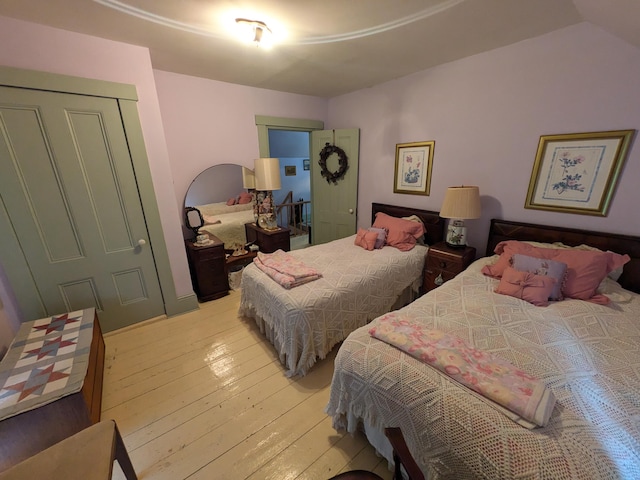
[357, 285]
[229, 222]
[587, 354]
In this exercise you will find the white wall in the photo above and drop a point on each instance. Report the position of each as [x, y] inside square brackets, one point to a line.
[486, 114]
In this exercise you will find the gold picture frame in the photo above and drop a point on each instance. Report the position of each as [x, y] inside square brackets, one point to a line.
[414, 162]
[578, 172]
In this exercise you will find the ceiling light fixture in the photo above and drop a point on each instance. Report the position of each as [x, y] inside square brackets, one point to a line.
[255, 31]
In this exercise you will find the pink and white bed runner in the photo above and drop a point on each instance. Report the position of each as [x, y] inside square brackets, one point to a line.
[481, 371]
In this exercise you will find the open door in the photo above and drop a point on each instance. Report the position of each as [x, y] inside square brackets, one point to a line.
[334, 203]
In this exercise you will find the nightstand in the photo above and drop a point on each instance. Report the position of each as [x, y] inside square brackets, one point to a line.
[208, 269]
[443, 263]
[268, 240]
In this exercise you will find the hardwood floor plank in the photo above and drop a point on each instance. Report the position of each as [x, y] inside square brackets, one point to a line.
[203, 396]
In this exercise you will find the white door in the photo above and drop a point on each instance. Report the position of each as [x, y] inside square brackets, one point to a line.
[334, 204]
[68, 185]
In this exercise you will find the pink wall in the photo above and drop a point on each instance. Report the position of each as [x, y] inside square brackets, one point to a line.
[208, 122]
[486, 114]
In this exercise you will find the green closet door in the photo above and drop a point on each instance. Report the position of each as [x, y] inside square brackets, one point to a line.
[67, 183]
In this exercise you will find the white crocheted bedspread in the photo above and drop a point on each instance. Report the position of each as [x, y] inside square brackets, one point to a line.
[231, 227]
[305, 322]
[588, 354]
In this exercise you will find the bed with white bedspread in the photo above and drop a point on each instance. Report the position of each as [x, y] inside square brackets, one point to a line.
[304, 323]
[587, 354]
[229, 222]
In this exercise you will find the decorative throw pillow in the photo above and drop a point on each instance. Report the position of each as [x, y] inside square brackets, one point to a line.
[401, 234]
[543, 266]
[231, 201]
[585, 268]
[244, 198]
[365, 239]
[382, 236]
[527, 286]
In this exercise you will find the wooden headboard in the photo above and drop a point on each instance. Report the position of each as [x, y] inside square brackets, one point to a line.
[432, 221]
[630, 279]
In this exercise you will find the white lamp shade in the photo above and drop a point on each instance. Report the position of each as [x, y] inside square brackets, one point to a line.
[461, 203]
[267, 173]
[248, 178]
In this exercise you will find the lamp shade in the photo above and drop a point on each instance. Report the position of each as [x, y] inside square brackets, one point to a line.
[267, 173]
[461, 203]
[248, 178]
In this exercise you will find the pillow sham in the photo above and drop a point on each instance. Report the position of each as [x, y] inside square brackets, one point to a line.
[244, 198]
[545, 267]
[585, 268]
[382, 236]
[401, 234]
[365, 239]
[527, 286]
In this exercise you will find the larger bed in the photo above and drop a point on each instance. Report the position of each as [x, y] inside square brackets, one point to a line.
[587, 354]
[227, 222]
[304, 323]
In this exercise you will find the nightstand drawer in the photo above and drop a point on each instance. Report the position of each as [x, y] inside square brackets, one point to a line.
[438, 264]
[443, 263]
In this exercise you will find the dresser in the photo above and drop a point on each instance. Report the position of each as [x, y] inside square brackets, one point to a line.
[443, 263]
[207, 265]
[268, 240]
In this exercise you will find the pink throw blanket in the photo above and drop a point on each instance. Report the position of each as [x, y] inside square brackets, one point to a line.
[285, 269]
[482, 372]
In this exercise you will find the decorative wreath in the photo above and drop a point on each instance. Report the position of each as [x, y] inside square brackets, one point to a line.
[325, 153]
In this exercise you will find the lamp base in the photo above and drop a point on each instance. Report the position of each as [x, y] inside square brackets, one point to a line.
[456, 234]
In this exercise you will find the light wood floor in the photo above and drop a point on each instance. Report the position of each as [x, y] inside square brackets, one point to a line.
[203, 396]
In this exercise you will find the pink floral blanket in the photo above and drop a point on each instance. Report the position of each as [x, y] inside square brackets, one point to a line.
[285, 269]
[482, 372]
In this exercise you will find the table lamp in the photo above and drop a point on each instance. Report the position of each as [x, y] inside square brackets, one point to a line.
[460, 203]
[267, 179]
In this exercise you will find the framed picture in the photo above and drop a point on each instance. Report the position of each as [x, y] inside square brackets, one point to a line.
[577, 173]
[305, 164]
[413, 168]
[290, 171]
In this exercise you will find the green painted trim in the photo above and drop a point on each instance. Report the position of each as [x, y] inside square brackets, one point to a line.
[266, 123]
[16, 269]
[187, 303]
[131, 122]
[53, 82]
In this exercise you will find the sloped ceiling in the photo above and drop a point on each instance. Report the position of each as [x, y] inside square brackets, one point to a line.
[331, 47]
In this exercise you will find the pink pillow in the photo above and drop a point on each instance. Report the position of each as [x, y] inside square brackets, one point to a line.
[527, 286]
[401, 233]
[231, 201]
[244, 198]
[365, 239]
[585, 268]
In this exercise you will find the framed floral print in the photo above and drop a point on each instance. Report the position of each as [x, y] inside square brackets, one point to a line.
[414, 162]
[577, 173]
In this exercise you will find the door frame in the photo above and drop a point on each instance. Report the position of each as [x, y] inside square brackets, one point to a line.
[266, 123]
[15, 264]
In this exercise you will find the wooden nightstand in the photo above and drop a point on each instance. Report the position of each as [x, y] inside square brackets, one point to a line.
[208, 269]
[444, 262]
[268, 240]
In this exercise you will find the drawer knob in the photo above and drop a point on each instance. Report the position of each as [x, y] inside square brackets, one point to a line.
[443, 264]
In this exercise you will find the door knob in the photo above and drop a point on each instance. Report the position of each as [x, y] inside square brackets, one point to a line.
[351, 210]
[142, 242]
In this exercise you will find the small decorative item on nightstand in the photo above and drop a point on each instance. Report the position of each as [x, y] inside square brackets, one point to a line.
[443, 263]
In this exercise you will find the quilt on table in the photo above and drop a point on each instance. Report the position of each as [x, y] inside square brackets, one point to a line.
[587, 354]
[47, 360]
[357, 285]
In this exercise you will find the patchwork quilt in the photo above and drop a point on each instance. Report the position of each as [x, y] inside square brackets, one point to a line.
[47, 360]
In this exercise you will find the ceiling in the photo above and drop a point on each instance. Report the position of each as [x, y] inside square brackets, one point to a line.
[326, 48]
